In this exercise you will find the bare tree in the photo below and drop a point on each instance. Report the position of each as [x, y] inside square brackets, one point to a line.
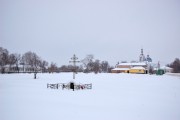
[110, 68]
[17, 59]
[30, 58]
[104, 66]
[36, 64]
[96, 66]
[43, 65]
[27, 59]
[3, 59]
[70, 68]
[176, 65]
[88, 63]
[151, 70]
[52, 68]
[11, 61]
[80, 68]
[64, 68]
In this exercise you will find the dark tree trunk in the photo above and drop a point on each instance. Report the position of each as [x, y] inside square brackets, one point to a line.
[35, 75]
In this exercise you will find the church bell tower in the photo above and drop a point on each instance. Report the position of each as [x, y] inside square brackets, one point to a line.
[142, 57]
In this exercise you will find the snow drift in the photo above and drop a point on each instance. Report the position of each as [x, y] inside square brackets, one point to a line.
[112, 97]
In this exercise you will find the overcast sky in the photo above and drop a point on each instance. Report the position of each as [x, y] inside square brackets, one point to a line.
[112, 30]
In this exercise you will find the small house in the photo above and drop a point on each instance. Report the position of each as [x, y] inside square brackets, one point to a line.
[120, 70]
[167, 69]
[139, 70]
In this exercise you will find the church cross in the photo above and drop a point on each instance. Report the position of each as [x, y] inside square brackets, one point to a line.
[74, 61]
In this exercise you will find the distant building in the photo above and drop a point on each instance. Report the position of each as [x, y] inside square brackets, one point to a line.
[140, 70]
[120, 70]
[139, 67]
[142, 57]
[165, 68]
[134, 67]
[148, 59]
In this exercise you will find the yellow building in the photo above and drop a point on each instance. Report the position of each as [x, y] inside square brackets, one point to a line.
[120, 70]
[140, 70]
[130, 68]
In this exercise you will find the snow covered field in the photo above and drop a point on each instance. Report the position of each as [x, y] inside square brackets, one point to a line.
[113, 97]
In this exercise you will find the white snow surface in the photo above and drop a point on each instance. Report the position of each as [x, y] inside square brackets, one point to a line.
[112, 97]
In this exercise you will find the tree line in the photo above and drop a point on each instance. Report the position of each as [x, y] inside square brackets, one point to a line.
[175, 65]
[31, 62]
[87, 65]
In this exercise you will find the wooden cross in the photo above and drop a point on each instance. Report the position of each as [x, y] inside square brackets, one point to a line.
[74, 61]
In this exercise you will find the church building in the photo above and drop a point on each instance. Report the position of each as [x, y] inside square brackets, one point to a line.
[140, 67]
[142, 57]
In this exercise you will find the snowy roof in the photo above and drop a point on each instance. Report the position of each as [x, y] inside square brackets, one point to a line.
[134, 64]
[165, 67]
[138, 68]
[120, 69]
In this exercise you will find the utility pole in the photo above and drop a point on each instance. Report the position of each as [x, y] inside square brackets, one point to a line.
[74, 61]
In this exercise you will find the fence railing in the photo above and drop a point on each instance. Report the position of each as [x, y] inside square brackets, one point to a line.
[69, 86]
